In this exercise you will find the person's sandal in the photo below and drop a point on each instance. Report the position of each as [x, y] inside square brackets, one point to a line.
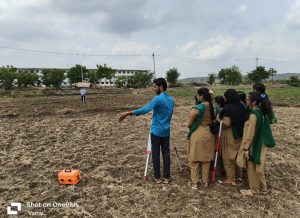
[205, 184]
[239, 180]
[167, 181]
[227, 182]
[158, 181]
[264, 190]
[247, 192]
[192, 187]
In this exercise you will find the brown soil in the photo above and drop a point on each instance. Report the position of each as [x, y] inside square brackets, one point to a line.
[42, 135]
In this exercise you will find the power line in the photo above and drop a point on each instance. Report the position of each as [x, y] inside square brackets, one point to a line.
[71, 54]
[56, 53]
[274, 60]
[47, 52]
[188, 58]
[207, 60]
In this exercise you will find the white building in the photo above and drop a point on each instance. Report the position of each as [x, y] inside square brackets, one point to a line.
[119, 72]
[102, 82]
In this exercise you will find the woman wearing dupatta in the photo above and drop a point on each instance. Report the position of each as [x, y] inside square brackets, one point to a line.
[261, 88]
[233, 116]
[201, 145]
[257, 136]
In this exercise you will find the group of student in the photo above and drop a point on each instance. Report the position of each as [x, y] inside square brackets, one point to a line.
[246, 133]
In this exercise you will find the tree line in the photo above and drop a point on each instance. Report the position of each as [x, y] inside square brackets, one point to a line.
[233, 76]
[10, 77]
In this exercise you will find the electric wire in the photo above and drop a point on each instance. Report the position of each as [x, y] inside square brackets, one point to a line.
[188, 59]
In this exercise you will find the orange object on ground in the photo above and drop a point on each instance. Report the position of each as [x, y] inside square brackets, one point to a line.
[69, 176]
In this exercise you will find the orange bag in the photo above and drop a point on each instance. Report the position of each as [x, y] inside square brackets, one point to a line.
[69, 176]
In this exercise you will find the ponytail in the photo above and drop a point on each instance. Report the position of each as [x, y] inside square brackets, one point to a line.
[262, 102]
[212, 110]
[207, 97]
[265, 106]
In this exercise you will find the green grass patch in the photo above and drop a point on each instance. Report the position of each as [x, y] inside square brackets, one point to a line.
[32, 94]
[20, 93]
[290, 95]
[282, 95]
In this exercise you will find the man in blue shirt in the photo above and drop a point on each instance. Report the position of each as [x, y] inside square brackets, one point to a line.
[162, 105]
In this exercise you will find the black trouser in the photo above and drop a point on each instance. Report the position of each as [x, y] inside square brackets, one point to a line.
[83, 98]
[164, 143]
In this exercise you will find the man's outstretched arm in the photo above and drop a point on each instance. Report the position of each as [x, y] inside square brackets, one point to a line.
[123, 115]
[140, 111]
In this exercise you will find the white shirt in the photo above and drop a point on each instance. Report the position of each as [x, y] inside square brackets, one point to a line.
[82, 91]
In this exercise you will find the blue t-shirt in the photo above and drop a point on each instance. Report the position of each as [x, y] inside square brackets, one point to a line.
[162, 106]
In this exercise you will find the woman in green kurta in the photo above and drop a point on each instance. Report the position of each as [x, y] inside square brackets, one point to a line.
[257, 136]
[201, 144]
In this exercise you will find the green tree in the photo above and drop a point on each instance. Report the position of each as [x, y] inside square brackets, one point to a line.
[172, 76]
[259, 74]
[294, 81]
[211, 78]
[27, 78]
[7, 77]
[93, 77]
[272, 73]
[74, 74]
[139, 80]
[104, 72]
[53, 77]
[121, 81]
[246, 80]
[230, 76]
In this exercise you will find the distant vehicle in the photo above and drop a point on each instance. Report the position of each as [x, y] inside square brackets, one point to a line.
[82, 85]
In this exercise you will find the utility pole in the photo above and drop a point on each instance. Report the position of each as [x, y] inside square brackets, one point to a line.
[81, 72]
[256, 59]
[154, 66]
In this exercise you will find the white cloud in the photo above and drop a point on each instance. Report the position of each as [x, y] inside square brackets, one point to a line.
[293, 15]
[243, 8]
[212, 48]
[28, 3]
[216, 47]
[129, 47]
[188, 47]
[142, 27]
[3, 4]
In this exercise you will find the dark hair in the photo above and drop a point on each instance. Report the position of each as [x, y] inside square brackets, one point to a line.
[242, 96]
[262, 102]
[232, 96]
[207, 97]
[161, 82]
[259, 87]
[220, 100]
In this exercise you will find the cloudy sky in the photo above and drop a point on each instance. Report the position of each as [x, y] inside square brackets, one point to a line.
[195, 36]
